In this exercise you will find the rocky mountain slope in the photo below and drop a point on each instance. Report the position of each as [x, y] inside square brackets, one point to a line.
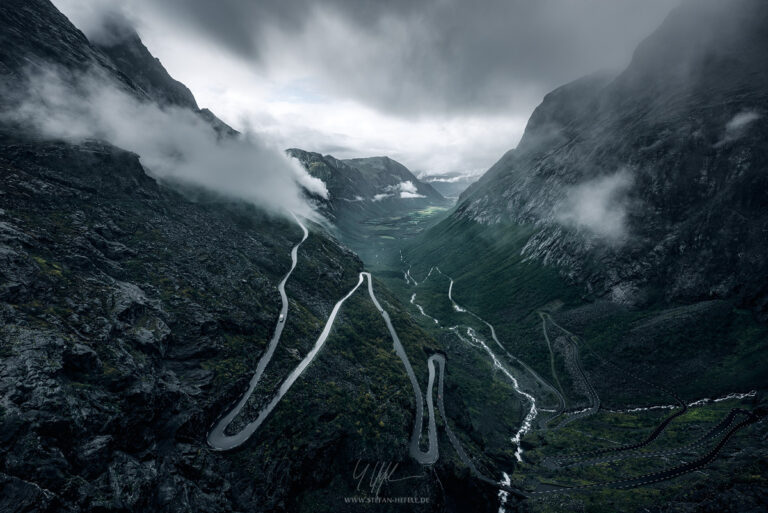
[127, 52]
[634, 213]
[366, 194]
[388, 176]
[133, 312]
[651, 184]
[375, 184]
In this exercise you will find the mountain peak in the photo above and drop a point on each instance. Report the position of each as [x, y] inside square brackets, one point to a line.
[703, 40]
[126, 50]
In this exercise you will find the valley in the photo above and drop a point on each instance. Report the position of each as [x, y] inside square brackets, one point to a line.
[559, 435]
[192, 319]
[565, 439]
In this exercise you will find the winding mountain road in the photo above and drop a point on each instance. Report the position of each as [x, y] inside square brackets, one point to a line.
[560, 395]
[220, 441]
[714, 431]
[572, 356]
[670, 472]
[544, 383]
[217, 439]
[723, 430]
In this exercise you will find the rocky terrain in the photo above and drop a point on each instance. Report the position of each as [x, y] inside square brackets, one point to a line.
[671, 156]
[133, 312]
[633, 211]
[364, 188]
[372, 201]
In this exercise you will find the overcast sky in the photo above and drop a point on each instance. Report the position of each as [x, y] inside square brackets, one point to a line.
[440, 85]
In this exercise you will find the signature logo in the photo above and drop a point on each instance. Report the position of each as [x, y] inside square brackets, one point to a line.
[372, 478]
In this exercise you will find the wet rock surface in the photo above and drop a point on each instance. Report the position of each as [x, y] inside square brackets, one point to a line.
[133, 313]
[114, 365]
[671, 156]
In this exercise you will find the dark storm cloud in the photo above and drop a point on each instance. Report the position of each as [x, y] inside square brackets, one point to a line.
[429, 56]
[238, 23]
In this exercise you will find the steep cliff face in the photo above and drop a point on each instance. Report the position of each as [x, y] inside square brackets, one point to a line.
[349, 191]
[36, 35]
[654, 180]
[133, 313]
[38, 39]
[132, 58]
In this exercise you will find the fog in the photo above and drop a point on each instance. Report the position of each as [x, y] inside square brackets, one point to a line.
[173, 143]
[402, 190]
[598, 206]
[736, 127]
[444, 55]
[439, 85]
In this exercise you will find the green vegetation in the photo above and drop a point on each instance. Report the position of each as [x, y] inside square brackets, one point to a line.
[701, 350]
[376, 239]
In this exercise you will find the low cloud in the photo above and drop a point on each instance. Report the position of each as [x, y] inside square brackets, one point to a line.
[318, 75]
[408, 190]
[739, 124]
[103, 22]
[449, 55]
[173, 143]
[449, 178]
[598, 206]
[409, 195]
[403, 190]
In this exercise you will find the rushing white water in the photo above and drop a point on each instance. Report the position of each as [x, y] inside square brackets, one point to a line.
[455, 330]
[450, 298]
[421, 309]
[533, 411]
[409, 278]
[579, 412]
[528, 420]
[700, 402]
[503, 494]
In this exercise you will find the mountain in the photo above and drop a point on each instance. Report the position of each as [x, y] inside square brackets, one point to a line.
[619, 251]
[376, 183]
[367, 194]
[645, 190]
[670, 155]
[129, 55]
[390, 177]
[133, 313]
[164, 347]
[133, 60]
[31, 29]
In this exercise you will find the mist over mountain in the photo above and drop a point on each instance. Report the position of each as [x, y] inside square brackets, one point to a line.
[142, 242]
[450, 185]
[65, 88]
[194, 318]
[628, 228]
[655, 176]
